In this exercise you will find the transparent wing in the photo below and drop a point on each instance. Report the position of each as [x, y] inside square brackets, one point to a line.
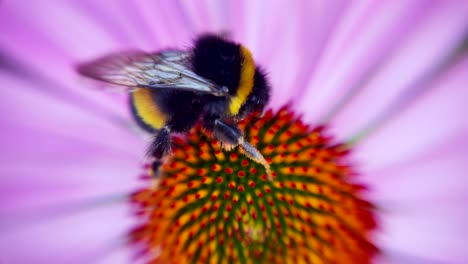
[167, 69]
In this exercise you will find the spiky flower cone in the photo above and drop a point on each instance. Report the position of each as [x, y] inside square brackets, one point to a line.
[217, 206]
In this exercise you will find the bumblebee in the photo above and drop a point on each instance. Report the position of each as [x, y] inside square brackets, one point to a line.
[216, 82]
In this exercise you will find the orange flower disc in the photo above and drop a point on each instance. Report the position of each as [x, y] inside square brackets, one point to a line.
[212, 205]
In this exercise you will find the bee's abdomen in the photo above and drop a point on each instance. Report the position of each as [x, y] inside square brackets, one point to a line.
[146, 111]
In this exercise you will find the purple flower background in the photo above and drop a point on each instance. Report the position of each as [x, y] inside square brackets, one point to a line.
[389, 73]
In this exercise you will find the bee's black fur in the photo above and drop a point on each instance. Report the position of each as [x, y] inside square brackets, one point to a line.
[183, 107]
[218, 60]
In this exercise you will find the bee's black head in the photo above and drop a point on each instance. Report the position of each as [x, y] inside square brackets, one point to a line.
[218, 60]
[230, 64]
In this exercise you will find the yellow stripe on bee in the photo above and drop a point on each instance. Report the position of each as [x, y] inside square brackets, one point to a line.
[147, 109]
[245, 83]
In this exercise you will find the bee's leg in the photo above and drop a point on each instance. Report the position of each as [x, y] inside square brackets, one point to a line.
[232, 136]
[159, 148]
[155, 165]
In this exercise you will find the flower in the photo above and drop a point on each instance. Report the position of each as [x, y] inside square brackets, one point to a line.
[387, 78]
[213, 204]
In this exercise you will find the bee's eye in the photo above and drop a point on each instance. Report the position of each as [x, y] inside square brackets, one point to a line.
[256, 103]
[254, 100]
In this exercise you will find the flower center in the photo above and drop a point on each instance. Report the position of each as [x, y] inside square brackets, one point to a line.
[214, 205]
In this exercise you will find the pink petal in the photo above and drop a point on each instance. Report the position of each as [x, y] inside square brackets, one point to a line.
[57, 165]
[41, 112]
[83, 237]
[436, 174]
[437, 115]
[422, 204]
[168, 21]
[289, 59]
[438, 235]
[430, 42]
[55, 52]
[353, 48]
[54, 151]
[45, 23]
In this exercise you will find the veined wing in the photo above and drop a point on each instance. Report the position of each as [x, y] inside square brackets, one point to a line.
[168, 69]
